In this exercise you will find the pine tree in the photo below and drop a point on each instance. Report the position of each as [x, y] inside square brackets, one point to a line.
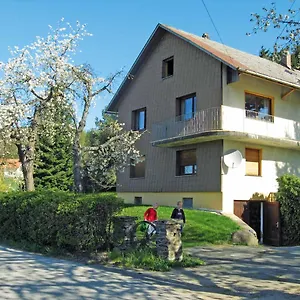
[276, 56]
[54, 164]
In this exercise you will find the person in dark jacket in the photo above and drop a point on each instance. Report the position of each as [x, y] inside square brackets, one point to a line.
[178, 214]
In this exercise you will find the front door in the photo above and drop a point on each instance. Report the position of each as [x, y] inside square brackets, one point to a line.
[271, 223]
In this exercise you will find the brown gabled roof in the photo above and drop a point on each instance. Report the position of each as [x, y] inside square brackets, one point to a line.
[210, 49]
[234, 58]
[242, 61]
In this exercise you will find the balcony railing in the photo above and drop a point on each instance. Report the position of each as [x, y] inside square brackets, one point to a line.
[228, 119]
[185, 125]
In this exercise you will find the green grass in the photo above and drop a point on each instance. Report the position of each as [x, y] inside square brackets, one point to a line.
[148, 260]
[202, 228]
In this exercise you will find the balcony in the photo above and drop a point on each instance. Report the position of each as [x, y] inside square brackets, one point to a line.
[227, 123]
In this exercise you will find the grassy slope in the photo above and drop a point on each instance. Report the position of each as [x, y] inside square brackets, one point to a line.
[202, 228]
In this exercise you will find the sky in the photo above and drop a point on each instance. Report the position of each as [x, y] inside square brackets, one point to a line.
[120, 28]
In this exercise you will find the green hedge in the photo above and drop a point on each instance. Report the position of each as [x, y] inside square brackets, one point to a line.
[59, 219]
[288, 196]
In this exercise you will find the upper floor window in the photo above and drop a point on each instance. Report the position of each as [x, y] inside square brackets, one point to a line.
[253, 162]
[186, 107]
[186, 162]
[168, 67]
[139, 119]
[258, 107]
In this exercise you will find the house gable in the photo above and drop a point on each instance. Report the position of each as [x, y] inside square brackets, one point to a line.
[233, 58]
[155, 39]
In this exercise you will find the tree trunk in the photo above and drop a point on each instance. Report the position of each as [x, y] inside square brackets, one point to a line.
[77, 164]
[26, 159]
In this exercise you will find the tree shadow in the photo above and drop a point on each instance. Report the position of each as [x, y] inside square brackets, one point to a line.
[28, 276]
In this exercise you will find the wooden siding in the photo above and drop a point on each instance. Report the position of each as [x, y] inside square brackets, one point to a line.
[194, 72]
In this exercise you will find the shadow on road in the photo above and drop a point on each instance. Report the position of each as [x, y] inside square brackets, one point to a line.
[238, 275]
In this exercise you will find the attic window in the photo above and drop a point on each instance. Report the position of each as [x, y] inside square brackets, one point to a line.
[168, 67]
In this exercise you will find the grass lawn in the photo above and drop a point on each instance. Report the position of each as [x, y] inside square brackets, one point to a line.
[202, 228]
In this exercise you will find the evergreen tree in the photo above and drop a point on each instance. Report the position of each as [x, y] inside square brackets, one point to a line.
[276, 56]
[54, 164]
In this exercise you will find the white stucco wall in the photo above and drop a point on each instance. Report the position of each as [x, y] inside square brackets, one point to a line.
[286, 112]
[275, 162]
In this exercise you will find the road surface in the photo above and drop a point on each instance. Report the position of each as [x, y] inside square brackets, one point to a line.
[230, 273]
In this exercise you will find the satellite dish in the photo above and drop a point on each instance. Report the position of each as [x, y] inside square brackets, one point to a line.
[232, 158]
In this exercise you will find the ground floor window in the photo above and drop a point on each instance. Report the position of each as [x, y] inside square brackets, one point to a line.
[253, 162]
[138, 200]
[187, 202]
[186, 162]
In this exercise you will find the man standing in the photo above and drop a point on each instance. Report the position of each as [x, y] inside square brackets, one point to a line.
[178, 214]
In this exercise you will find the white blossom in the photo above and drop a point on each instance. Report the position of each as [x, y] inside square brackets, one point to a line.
[119, 151]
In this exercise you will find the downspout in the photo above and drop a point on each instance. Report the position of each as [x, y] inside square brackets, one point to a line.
[261, 222]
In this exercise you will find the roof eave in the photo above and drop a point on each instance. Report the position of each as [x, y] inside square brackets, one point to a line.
[283, 82]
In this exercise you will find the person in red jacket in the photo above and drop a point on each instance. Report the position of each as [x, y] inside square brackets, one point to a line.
[150, 215]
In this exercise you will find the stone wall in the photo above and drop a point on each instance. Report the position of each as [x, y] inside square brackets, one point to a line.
[124, 235]
[168, 240]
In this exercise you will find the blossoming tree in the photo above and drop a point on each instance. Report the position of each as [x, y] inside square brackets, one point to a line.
[38, 79]
[111, 150]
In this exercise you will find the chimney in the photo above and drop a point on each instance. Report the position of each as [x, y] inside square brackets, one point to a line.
[205, 36]
[286, 60]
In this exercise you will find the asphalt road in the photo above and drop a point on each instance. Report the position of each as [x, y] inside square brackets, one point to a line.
[230, 273]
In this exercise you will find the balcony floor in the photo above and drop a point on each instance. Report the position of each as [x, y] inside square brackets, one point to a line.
[229, 135]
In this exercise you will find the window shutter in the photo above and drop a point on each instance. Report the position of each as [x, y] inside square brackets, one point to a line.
[252, 162]
[188, 158]
[252, 155]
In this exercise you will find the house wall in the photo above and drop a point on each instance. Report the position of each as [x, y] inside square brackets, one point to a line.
[194, 72]
[286, 112]
[200, 200]
[275, 162]
[161, 171]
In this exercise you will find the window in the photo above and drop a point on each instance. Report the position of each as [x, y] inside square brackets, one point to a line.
[138, 200]
[139, 119]
[168, 67]
[186, 162]
[187, 202]
[186, 107]
[137, 170]
[258, 107]
[253, 162]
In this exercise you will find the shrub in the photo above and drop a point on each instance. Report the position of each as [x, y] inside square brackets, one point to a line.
[288, 196]
[147, 259]
[58, 219]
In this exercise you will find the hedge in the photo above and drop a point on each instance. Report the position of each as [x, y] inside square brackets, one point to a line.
[288, 196]
[58, 219]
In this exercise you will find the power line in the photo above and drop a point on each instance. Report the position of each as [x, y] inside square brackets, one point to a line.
[216, 29]
[277, 38]
[212, 21]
